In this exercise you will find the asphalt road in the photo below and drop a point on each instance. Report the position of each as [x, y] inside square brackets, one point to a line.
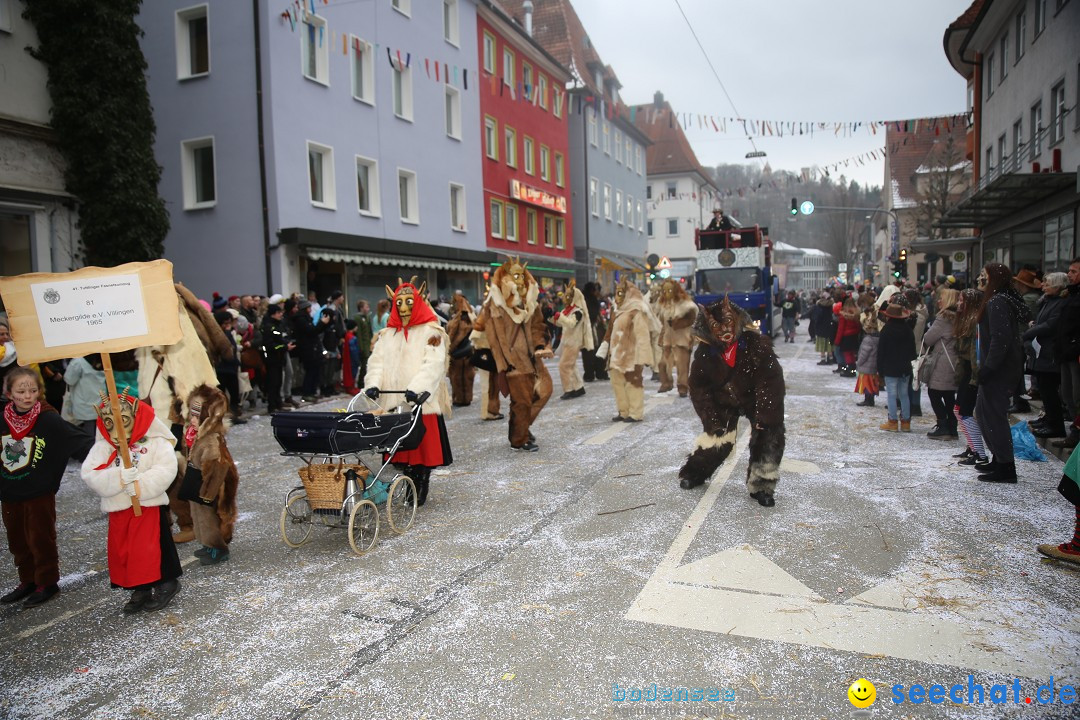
[569, 582]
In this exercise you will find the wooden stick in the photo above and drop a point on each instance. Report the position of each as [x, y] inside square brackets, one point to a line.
[121, 436]
[636, 507]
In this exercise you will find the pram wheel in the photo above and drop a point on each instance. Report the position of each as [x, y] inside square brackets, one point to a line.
[401, 504]
[363, 526]
[296, 521]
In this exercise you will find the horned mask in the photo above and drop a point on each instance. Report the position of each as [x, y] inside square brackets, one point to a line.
[129, 407]
[405, 298]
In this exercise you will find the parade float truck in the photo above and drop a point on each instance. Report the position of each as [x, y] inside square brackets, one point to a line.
[738, 263]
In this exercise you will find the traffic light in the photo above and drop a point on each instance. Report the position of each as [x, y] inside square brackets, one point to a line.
[903, 255]
[794, 207]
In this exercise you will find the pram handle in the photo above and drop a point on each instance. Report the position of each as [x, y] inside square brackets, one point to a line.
[420, 399]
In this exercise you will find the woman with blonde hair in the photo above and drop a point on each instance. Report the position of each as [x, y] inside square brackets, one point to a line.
[941, 385]
[964, 331]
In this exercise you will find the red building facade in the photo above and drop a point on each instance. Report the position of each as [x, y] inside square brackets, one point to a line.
[525, 141]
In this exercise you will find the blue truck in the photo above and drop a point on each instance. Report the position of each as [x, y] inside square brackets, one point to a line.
[738, 263]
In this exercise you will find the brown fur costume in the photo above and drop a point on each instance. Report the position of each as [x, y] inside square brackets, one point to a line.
[516, 331]
[215, 516]
[629, 351]
[752, 387]
[462, 372]
[677, 313]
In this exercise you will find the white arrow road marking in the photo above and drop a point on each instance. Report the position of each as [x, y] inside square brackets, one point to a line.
[740, 592]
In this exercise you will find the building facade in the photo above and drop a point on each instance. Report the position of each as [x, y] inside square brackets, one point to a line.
[316, 148]
[1021, 59]
[679, 193]
[524, 141]
[38, 217]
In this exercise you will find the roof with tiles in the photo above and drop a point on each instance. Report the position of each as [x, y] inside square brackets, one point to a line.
[670, 152]
[917, 152]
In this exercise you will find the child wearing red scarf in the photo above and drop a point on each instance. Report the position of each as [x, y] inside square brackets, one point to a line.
[36, 446]
[142, 555]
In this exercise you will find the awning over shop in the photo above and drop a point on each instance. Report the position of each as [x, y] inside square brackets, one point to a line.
[944, 246]
[1004, 197]
[613, 261]
[359, 258]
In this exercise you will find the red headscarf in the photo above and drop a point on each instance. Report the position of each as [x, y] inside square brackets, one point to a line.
[421, 312]
[144, 416]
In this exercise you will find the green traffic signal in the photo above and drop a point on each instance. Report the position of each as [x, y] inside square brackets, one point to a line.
[794, 206]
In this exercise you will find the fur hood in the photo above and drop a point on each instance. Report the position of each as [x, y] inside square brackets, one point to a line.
[519, 315]
[677, 309]
[214, 408]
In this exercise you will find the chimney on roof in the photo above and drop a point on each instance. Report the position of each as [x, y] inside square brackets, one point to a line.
[527, 6]
[658, 99]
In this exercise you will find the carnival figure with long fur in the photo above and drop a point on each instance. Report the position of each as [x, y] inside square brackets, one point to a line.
[576, 336]
[208, 476]
[677, 313]
[735, 372]
[462, 372]
[517, 334]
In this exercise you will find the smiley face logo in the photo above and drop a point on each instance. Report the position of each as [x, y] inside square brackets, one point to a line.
[862, 693]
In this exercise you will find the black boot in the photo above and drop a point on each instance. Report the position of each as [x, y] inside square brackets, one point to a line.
[137, 601]
[1003, 473]
[422, 483]
[868, 401]
[940, 432]
[764, 498]
[164, 591]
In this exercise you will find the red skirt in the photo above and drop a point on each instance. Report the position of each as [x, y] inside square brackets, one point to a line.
[867, 384]
[434, 449]
[134, 549]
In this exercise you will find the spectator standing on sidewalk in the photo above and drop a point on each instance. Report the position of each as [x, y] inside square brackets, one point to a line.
[1068, 347]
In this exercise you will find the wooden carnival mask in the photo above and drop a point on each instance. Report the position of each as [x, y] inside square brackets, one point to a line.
[405, 298]
[515, 283]
[129, 407]
[723, 330]
[620, 293]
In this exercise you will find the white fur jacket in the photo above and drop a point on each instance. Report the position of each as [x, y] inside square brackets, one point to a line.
[576, 330]
[154, 458]
[419, 363]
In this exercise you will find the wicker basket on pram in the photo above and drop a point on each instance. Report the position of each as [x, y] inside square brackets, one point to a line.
[324, 483]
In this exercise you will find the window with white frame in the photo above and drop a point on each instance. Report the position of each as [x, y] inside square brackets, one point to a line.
[618, 207]
[1018, 142]
[530, 226]
[1003, 153]
[315, 49]
[451, 30]
[607, 138]
[989, 160]
[508, 66]
[457, 207]
[629, 212]
[648, 228]
[510, 224]
[560, 233]
[560, 176]
[672, 190]
[1057, 113]
[594, 196]
[453, 112]
[489, 53]
[542, 87]
[496, 212]
[618, 147]
[402, 84]
[321, 175]
[1040, 17]
[640, 217]
[545, 163]
[591, 116]
[1018, 34]
[988, 74]
[526, 77]
[408, 197]
[527, 148]
[367, 186]
[607, 201]
[557, 103]
[648, 192]
[637, 158]
[1003, 52]
[549, 231]
[491, 137]
[629, 149]
[672, 227]
[402, 6]
[192, 40]
[1036, 130]
[510, 143]
[198, 173]
[363, 70]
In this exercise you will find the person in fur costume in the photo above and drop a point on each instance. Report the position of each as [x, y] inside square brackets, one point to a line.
[735, 372]
[677, 313]
[576, 336]
[168, 374]
[628, 348]
[208, 478]
[517, 334]
[141, 553]
[411, 354]
[484, 361]
[462, 372]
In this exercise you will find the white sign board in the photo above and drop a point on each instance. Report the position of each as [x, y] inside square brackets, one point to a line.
[102, 308]
[842, 267]
[735, 257]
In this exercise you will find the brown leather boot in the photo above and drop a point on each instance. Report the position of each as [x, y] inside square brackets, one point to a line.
[185, 535]
[905, 426]
[890, 425]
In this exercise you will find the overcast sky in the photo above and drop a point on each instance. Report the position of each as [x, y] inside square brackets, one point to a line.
[790, 60]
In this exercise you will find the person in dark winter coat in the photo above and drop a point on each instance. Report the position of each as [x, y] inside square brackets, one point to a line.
[1045, 369]
[896, 350]
[593, 368]
[1067, 348]
[275, 348]
[309, 348]
[821, 327]
[1001, 361]
[36, 446]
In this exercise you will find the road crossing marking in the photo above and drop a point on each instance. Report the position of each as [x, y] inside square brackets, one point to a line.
[739, 591]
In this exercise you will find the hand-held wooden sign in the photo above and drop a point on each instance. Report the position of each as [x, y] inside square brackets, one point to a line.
[93, 310]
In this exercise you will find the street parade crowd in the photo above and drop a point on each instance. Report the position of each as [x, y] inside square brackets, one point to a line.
[973, 348]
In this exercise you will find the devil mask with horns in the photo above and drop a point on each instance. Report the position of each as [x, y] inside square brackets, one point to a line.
[721, 324]
[409, 306]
